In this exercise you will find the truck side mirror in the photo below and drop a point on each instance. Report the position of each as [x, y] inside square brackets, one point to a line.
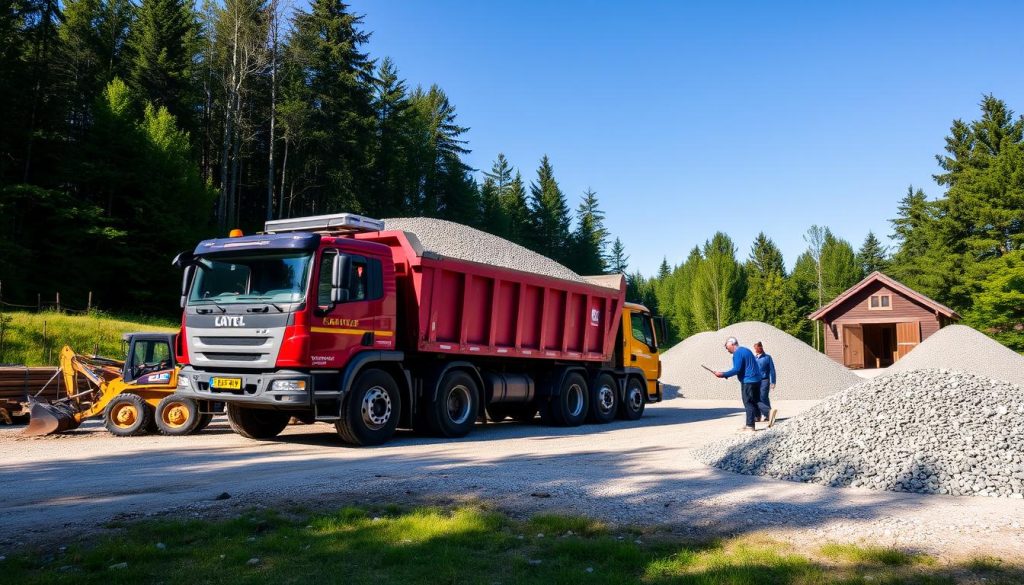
[340, 277]
[186, 283]
[183, 259]
[661, 327]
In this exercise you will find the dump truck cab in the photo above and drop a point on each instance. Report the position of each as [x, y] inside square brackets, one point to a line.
[640, 347]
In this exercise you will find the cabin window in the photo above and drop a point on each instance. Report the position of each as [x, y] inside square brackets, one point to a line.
[880, 303]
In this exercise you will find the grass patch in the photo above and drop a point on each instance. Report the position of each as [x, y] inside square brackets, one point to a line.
[875, 555]
[463, 545]
[97, 332]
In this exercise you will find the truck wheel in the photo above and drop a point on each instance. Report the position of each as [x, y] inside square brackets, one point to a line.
[604, 399]
[569, 407]
[369, 415]
[256, 423]
[454, 410]
[632, 406]
[128, 415]
[177, 416]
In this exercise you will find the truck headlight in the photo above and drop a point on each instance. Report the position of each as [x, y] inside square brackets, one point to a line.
[288, 385]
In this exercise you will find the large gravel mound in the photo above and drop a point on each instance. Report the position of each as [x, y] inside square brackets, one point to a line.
[455, 240]
[958, 347]
[925, 431]
[803, 372]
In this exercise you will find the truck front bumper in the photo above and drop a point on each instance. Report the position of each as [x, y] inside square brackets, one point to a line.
[256, 389]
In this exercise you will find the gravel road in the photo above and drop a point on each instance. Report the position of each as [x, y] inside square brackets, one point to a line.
[625, 473]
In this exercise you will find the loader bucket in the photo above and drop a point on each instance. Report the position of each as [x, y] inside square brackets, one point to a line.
[46, 419]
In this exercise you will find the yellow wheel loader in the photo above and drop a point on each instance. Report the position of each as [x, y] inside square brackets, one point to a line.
[134, 396]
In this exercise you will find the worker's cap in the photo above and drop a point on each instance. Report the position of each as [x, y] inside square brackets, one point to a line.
[732, 341]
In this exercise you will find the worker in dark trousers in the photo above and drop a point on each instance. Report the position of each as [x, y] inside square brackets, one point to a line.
[744, 366]
[766, 365]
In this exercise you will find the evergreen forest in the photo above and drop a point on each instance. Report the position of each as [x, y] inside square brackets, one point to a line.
[134, 128]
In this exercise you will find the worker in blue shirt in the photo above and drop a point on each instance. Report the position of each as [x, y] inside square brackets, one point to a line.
[766, 365]
[744, 366]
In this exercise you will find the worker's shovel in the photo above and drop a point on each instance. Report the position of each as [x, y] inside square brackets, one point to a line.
[48, 418]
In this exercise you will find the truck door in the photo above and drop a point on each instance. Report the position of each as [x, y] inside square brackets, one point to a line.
[642, 348]
[340, 330]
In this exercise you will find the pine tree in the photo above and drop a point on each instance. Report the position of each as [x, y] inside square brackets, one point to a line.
[517, 210]
[335, 78]
[550, 214]
[718, 285]
[769, 298]
[618, 260]
[589, 239]
[447, 189]
[493, 194]
[872, 255]
[164, 44]
[682, 302]
[92, 41]
[394, 178]
[839, 266]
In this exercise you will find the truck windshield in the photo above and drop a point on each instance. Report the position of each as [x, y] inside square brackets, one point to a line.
[258, 278]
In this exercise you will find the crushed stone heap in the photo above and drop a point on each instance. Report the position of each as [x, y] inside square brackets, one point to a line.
[958, 347]
[925, 431]
[455, 240]
[803, 372]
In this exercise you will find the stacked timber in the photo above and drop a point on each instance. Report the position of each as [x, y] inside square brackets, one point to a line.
[19, 382]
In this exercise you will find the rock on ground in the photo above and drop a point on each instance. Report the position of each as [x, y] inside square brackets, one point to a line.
[922, 431]
[455, 240]
[803, 372]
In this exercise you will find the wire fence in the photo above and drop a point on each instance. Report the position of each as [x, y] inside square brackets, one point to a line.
[42, 305]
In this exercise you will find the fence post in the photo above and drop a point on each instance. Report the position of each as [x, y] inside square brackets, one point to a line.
[88, 306]
[45, 345]
[58, 301]
[39, 302]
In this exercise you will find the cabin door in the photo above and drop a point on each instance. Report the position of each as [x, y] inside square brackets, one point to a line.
[853, 346]
[908, 335]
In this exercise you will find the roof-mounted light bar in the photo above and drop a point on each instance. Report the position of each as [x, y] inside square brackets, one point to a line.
[335, 222]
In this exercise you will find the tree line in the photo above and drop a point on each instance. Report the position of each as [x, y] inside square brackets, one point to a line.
[133, 129]
[964, 248]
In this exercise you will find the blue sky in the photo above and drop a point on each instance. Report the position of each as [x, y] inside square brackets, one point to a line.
[688, 118]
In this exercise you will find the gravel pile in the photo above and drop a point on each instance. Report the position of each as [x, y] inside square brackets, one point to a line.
[924, 431]
[455, 240]
[803, 373]
[958, 347]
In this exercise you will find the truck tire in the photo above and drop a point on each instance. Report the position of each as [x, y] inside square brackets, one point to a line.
[632, 406]
[456, 404]
[256, 423]
[569, 407]
[604, 399]
[128, 415]
[370, 412]
[176, 416]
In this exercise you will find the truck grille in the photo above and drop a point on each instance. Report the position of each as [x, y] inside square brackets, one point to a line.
[238, 348]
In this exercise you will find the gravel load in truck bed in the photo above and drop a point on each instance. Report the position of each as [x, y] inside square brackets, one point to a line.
[958, 347]
[803, 372]
[923, 431]
[455, 240]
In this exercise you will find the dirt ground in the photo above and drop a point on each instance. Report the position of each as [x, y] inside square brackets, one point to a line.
[626, 473]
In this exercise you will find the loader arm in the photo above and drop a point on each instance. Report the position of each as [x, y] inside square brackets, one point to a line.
[69, 412]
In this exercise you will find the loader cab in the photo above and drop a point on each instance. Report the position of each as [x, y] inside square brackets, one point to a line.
[640, 335]
[149, 358]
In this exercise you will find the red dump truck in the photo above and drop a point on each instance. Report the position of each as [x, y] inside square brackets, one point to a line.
[334, 319]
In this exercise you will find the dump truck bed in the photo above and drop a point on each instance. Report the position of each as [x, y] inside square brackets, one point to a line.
[454, 306]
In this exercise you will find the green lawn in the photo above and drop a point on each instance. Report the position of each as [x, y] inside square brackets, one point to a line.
[380, 546]
[23, 340]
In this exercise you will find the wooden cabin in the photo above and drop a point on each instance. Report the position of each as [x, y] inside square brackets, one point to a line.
[878, 321]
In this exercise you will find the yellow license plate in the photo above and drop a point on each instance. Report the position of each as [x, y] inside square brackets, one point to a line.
[226, 383]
